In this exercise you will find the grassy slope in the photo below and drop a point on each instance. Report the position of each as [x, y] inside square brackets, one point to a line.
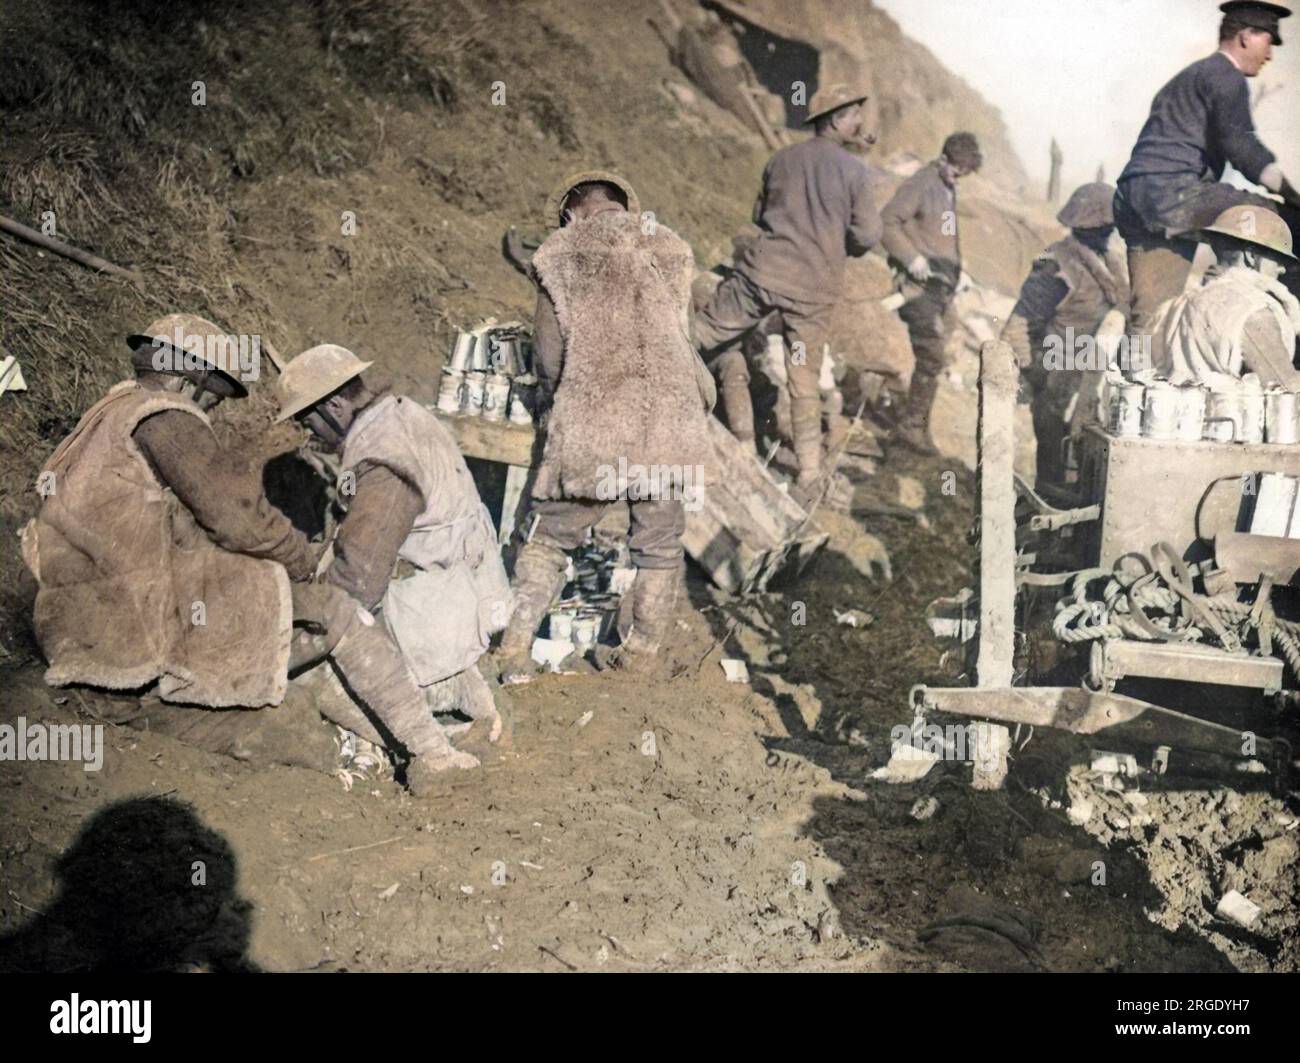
[233, 209]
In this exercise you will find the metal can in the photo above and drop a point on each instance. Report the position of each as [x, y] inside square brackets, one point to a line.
[480, 360]
[496, 397]
[1191, 412]
[521, 403]
[1280, 416]
[462, 351]
[1126, 409]
[1252, 415]
[505, 355]
[1160, 411]
[475, 386]
[1223, 415]
[586, 630]
[561, 623]
[451, 390]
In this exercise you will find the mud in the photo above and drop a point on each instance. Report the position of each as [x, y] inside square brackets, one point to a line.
[690, 824]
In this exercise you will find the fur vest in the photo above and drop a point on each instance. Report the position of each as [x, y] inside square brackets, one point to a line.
[132, 590]
[628, 404]
[443, 615]
[1096, 286]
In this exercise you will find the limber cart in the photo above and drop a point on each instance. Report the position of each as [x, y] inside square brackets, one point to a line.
[1201, 695]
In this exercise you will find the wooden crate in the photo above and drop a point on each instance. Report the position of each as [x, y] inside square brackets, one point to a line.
[747, 529]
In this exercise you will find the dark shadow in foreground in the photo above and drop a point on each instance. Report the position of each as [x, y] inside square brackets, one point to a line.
[146, 886]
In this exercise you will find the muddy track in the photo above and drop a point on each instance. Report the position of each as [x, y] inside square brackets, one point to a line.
[690, 823]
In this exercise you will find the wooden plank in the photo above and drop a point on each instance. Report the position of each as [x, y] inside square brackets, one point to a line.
[513, 502]
[997, 501]
[499, 441]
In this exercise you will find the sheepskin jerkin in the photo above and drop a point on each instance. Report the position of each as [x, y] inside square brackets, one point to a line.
[132, 590]
[628, 396]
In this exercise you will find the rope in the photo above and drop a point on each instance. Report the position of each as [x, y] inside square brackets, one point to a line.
[1145, 608]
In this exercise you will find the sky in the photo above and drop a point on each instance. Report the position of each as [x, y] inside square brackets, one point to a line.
[1085, 71]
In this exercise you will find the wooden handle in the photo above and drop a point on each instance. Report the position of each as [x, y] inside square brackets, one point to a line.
[85, 258]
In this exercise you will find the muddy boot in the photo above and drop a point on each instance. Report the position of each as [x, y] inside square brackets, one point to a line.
[915, 436]
[373, 667]
[470, 694]
[654, 605]
[539, 577]
[478, 702]
[806, 428]
[914, 430]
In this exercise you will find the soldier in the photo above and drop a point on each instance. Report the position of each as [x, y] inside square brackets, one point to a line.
[1200, 122]
[1241, 320]
[627, 400]
[814, 209]
[416, 544]
[922, 240]
[159, 560]
[1071, 289]
[157, 557]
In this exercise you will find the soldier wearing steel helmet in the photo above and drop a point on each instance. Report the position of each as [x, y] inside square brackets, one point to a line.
[815, 208]
[415, 546]
[621, 389]
[1241, 319]
[158, 559]
[1069, 292]
[1200, 123]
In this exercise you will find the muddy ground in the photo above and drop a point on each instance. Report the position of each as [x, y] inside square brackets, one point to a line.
[690, 824]
[752, 836]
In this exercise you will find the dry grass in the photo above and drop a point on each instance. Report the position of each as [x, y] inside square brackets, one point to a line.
[101, 129]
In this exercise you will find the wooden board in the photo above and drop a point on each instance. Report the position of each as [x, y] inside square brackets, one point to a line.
[747, 528]
[499, 441]
[997, 501]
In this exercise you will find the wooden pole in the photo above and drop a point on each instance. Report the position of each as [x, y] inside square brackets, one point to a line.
[997, 523]
[1054, 180]
[85, 258]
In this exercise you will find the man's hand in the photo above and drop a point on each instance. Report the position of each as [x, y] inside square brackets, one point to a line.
[919, 269]
[305, 558]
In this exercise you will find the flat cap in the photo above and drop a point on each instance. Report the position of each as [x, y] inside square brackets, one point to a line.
[1257, 15]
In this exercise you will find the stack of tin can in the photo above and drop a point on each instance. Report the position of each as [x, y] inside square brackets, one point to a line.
[488, 374]
[588, 610]
[1226, 411]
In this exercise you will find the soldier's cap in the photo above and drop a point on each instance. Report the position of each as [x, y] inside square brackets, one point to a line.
[1255, 225]
[157, 343]
[830, 98]
[315, 375]
[1257, 15]
[555, 203]
[1090, 207]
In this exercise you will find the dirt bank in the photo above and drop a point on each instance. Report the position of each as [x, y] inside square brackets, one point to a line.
[688, 823]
